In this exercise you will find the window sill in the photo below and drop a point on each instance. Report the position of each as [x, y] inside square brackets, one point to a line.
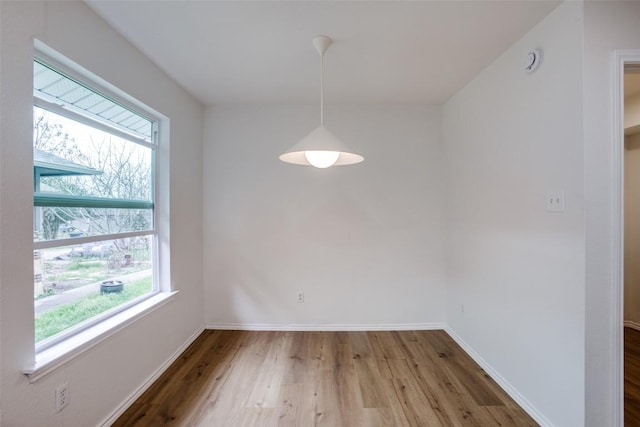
[53, 357]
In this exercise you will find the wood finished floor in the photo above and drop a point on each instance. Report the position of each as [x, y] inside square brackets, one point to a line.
[631, 377]
[242, 378]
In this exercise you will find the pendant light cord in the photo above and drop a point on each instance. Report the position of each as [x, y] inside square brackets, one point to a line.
[322, 89]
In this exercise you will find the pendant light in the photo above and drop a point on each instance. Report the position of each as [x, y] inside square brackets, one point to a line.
[321, 148]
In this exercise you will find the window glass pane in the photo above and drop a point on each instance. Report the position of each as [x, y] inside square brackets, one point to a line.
[83, 165]
[73, 158]
[54, 222]
[52, 86]
[74, 284]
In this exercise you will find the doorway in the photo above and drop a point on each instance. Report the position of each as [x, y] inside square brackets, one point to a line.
[631, 238]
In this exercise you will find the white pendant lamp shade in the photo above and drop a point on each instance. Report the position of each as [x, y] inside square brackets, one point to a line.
[316, 146]
[321, 148]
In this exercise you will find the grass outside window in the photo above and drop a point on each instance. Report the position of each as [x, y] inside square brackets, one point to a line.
[60, 318]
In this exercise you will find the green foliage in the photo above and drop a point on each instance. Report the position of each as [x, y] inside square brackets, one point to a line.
[46, 293]
[60, 318]
[85, 265]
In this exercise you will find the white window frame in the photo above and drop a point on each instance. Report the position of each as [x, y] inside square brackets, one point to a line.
[57, 350]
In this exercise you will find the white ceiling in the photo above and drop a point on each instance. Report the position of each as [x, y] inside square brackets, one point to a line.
[384, 52]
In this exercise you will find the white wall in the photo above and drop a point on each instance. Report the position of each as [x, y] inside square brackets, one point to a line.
[632, 229]
[102, 378]
[509, 139]
[364, 242]
[607, 26]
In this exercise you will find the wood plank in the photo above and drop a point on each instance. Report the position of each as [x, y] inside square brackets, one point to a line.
[631, 377]
[333, 379]
[290, 405]
[415, 406]
[345, 382]
[269, 375]
[377, 417]
[299, 359]
[367, 371]
[464, 370]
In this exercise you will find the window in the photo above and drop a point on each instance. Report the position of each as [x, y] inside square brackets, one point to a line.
[94, 228]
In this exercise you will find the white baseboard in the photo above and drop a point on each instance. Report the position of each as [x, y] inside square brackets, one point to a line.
[328, 327]
[150, 380]
[631, 324]
[503, 383]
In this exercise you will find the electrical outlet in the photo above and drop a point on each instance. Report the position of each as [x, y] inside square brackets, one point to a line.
[555, 201]
[300, 296]
[62, 396]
